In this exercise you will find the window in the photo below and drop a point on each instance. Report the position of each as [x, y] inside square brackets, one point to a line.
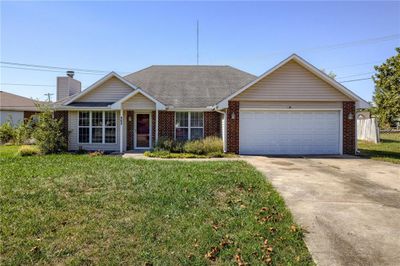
[188, 125]
[97, 127]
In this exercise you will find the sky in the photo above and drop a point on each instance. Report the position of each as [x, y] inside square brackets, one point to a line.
[347, 38]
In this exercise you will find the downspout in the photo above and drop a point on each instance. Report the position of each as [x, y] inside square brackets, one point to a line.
[156, 140]
[224, 135]
[121, 131]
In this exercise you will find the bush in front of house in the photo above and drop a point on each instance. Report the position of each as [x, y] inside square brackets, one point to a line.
[170, 145]
[28, 150]
[204, 146]
[48, 132]
[6, 133]
[209, 145]
[23, 133]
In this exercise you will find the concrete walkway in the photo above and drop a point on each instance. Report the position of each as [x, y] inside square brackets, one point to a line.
[349, 206]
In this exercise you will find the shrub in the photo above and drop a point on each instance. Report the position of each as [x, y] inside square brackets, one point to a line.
[48, 132]
[23, 133]
[213, 144]
[28, 150]
[7, 132]
[167, 144]
[96, 153]
[194, 146]
[205, 146]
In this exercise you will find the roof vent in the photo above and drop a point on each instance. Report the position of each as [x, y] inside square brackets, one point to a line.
[70, 73]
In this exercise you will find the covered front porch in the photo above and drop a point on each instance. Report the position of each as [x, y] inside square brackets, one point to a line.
[138, 117]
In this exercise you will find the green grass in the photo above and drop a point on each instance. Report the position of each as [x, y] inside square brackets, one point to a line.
[77, 209]
[387, 150]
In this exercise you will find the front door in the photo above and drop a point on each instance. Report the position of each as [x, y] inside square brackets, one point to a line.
[142, 138]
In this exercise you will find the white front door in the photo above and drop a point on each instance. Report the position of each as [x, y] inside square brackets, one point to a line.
[142, 129]
[289, 132]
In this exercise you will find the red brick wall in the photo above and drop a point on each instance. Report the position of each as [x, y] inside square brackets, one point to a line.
[129, 129]
[28, 114]
[233, 127]
[349, 128]
[212, 124]
[166, 124]
[64, 116]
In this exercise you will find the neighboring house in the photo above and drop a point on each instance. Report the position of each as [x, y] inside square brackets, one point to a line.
[293, 108]
[15, 108]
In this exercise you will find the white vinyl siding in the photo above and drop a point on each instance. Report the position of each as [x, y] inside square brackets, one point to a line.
[291, 105]
[73, 144]
[110, 91]
[291, 82]
[139, 102]
[15, 117]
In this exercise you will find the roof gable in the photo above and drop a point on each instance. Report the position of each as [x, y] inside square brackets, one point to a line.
[316, 72]
[292, 82]
[110, 88]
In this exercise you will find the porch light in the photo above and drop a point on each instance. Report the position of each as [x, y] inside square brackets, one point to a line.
[233, 115]
[350, 116]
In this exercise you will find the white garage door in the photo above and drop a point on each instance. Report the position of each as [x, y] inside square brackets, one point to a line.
[289, 132]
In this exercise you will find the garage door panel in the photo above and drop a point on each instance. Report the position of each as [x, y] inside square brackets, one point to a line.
[289, 132]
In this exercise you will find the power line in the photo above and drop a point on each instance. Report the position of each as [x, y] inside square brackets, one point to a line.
[25, 84]
[48, 70]
[52, 67]
[354, 80]
[355, 75]
[360, 64]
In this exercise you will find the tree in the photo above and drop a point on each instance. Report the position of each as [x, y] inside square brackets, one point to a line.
[387, 91]
[331, 74]
[48, 132]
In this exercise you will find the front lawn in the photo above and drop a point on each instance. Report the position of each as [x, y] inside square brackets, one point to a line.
[387, 150]
[77, 209]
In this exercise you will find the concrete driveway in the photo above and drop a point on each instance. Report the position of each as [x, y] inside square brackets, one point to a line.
[349, 206]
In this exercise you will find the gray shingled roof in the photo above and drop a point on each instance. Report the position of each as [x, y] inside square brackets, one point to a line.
[190, 86]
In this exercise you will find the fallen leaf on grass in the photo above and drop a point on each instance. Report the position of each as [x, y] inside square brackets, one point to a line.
[239, 260]
[212, 254]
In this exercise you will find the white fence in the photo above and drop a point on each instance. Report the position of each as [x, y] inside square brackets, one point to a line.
[367, 129]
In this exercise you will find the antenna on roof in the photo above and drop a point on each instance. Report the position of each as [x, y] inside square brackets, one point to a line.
[197, 42]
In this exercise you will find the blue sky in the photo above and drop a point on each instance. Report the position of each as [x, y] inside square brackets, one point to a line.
[252, 36]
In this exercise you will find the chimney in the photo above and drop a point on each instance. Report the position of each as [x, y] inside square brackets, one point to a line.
[67, 86]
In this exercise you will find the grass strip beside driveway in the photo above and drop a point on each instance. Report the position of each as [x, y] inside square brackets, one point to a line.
[76, 209]
[387, 150]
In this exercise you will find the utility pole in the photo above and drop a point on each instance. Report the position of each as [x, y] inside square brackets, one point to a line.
[197, 42]
[49, 96]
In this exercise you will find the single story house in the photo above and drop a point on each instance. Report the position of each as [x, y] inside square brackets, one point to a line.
[15, 108]
[293, 108]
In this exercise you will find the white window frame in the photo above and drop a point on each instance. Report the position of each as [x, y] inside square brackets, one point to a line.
[189, 127]
[103, 127]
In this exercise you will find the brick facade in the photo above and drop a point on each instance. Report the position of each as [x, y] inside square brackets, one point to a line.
[212, 124]
[64, 116]
[166, 124]
[349, 128]
[129, 130]
[28, 114]
[233, 127]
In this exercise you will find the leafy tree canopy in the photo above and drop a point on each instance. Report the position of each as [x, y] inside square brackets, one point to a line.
[387, 91]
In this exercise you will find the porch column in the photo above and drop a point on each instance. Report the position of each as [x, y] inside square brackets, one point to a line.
[121, 130]
[156, 124]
